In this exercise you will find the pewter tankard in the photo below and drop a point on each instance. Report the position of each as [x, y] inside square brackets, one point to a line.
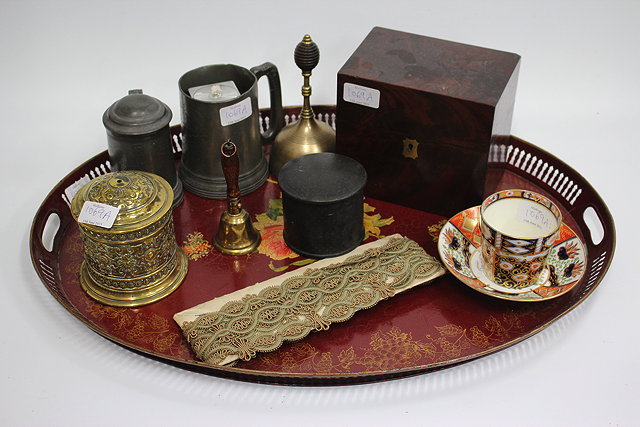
[208, 123]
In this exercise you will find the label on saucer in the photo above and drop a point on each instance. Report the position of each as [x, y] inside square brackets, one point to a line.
[98, 214]
[361, 95]
[235, 113]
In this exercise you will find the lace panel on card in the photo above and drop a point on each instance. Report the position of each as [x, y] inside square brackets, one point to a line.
[308, 302]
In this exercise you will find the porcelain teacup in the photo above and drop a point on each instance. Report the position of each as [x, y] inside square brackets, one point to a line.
[518, 227]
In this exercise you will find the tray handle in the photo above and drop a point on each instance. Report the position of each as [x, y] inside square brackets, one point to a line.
[46, 240]
[50, 231]
[574, 192]
[596, 222]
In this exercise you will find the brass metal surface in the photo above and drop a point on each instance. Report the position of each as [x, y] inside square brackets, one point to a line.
[137, 261]
[236, 234]
[136, 297]
[308, 135]
[410, 148]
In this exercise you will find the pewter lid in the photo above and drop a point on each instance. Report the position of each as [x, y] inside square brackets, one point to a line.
[136, 114]
[322, 178]
[143, 198]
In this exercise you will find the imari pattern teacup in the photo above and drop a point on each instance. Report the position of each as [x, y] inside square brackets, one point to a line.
[518, 228]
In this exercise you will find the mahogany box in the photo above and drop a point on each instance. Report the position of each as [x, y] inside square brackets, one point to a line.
[420, 114]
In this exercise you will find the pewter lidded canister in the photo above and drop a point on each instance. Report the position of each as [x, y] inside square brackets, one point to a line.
[139, 138]
[137, 261]
[322, 201]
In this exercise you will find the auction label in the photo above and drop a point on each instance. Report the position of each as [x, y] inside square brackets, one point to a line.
[71, 190]
[361, 95]
[536, 215]
[235, 113]
[98, 214]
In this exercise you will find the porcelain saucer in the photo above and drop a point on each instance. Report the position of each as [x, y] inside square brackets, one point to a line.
[459, 249]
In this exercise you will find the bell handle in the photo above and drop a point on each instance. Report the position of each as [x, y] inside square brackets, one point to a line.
[276, 117]
[230, 168]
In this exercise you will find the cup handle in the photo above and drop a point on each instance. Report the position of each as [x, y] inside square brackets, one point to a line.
[276, 118]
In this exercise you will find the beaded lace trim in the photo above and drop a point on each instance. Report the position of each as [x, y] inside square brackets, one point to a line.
[308, 302]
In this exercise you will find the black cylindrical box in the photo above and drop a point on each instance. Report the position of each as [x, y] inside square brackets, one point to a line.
[139, 138]
[323, 204]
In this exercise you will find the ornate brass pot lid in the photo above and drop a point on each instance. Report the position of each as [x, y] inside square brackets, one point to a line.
[459, 249]
[143, 198]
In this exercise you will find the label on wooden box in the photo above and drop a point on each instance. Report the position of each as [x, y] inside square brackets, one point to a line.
[361, 95]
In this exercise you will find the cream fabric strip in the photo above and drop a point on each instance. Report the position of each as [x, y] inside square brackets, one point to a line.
[223, 330]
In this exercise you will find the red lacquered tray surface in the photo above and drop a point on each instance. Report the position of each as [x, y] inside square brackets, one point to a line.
[439, 324]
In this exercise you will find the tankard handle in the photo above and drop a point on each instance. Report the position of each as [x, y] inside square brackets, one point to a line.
[276, 117]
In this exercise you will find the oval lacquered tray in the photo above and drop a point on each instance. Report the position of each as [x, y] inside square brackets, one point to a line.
[436, 325]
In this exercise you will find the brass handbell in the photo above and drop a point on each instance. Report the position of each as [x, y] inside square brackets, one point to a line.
[308, 135]
[236, 234]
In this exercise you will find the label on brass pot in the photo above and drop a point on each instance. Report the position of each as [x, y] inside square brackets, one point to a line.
[235, 113]
[98, 214]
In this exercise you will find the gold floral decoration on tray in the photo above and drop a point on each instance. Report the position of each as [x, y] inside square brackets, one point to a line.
[373, 222]
[434, 229]
[393, 348]
[196, 246]
[149, 330]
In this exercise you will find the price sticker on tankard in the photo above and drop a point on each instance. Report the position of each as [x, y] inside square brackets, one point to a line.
[98, 214]
[235, 113]
[361, 95]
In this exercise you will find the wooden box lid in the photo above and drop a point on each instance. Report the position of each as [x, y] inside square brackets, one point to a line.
[432, 65]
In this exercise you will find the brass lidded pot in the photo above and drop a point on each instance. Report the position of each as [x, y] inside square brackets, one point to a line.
[137, 261]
